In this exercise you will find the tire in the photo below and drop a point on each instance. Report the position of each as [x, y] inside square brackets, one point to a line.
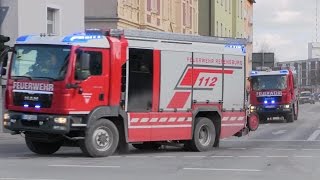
[147, 146]
[42, 147]
[204, 127]
[263, 119]
[290, 117]
[101, 139]
[296, 112]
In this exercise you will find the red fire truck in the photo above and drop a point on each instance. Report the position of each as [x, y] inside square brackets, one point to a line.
[274, 94]
[102, 89]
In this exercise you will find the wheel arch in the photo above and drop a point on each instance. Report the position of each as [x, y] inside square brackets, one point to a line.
[114, 114]
[213, 113]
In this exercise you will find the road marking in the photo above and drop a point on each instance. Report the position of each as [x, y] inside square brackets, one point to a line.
[165, 156]
[82, 166]
[25, 179]
[237, 148]
[279, 132]
[310, 149]
[194, 156]
[261, 148]
[303, 156]
[277, 156]
[222, 156]
[268, 140]
[215, 169]
[314, 135]
[286, 149]
[136, 156]
[249, 156]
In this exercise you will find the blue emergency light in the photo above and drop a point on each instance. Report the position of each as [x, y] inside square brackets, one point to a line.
[81, 38]
[37, 106]
[26, 105]
[284, 71]
[23, 38]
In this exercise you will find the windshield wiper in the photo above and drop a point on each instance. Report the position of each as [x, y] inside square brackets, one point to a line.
[21, 77]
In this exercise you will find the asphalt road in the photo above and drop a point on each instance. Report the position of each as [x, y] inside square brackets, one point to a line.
[276, 151]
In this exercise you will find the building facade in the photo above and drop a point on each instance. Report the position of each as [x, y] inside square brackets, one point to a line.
[248, 32]
[223, 18]
[308, 73]
[179, 16]
[313, 50]
[56, 17]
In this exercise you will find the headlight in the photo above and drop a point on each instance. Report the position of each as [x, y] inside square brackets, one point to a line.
[287, 106]
[6, 116]
[60, 120]
[252, 107]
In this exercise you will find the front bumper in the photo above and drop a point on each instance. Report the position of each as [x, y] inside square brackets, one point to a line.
[43, 123]
[305, 100]
[272, 111]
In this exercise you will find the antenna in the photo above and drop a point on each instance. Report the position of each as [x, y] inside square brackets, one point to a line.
[316, 20]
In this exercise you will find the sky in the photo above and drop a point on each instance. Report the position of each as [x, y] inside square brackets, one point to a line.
[285, 27]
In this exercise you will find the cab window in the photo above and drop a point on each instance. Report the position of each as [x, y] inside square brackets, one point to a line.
[95, 66]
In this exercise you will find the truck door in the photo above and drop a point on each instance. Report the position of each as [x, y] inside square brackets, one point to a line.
[92, 85]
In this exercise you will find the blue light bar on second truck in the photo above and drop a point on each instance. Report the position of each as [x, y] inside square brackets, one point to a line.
[234, 46]
[284, 72]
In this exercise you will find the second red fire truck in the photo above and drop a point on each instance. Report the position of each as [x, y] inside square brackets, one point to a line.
[101, 89]
[274, 94]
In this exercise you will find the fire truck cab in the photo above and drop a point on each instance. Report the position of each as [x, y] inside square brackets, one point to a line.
[103, 89]
[274, 94]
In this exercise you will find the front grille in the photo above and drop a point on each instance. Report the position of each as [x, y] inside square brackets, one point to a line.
[44, 100]
[30, 123]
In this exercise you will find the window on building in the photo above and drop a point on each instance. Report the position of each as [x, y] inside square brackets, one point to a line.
[221, 30]
[52, 21]
[222, 2]
[230, 4]
[154, 6]
[229, 33]
[226, 32]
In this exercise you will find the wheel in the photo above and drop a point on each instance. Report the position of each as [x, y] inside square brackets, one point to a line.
[101, 139]
[204, 135]
[296, 112]
[263, 119]
[147, 146]
[290, 117]
[42, 147]
[253, 122]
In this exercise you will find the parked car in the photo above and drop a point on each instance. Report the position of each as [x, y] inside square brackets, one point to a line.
[306, 97]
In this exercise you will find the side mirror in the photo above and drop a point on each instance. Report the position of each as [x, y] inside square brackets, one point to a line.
[84, 61]
[3, 71]
[5, 60]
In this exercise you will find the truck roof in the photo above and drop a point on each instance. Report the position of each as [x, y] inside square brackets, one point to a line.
[269, 73]
[81, 39]
[144, 39]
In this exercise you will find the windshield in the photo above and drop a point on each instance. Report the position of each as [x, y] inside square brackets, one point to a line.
[306, 94]
[40, 62]
[275, 82]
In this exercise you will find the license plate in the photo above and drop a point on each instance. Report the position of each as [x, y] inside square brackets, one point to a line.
[29, 117]
[269, 106]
